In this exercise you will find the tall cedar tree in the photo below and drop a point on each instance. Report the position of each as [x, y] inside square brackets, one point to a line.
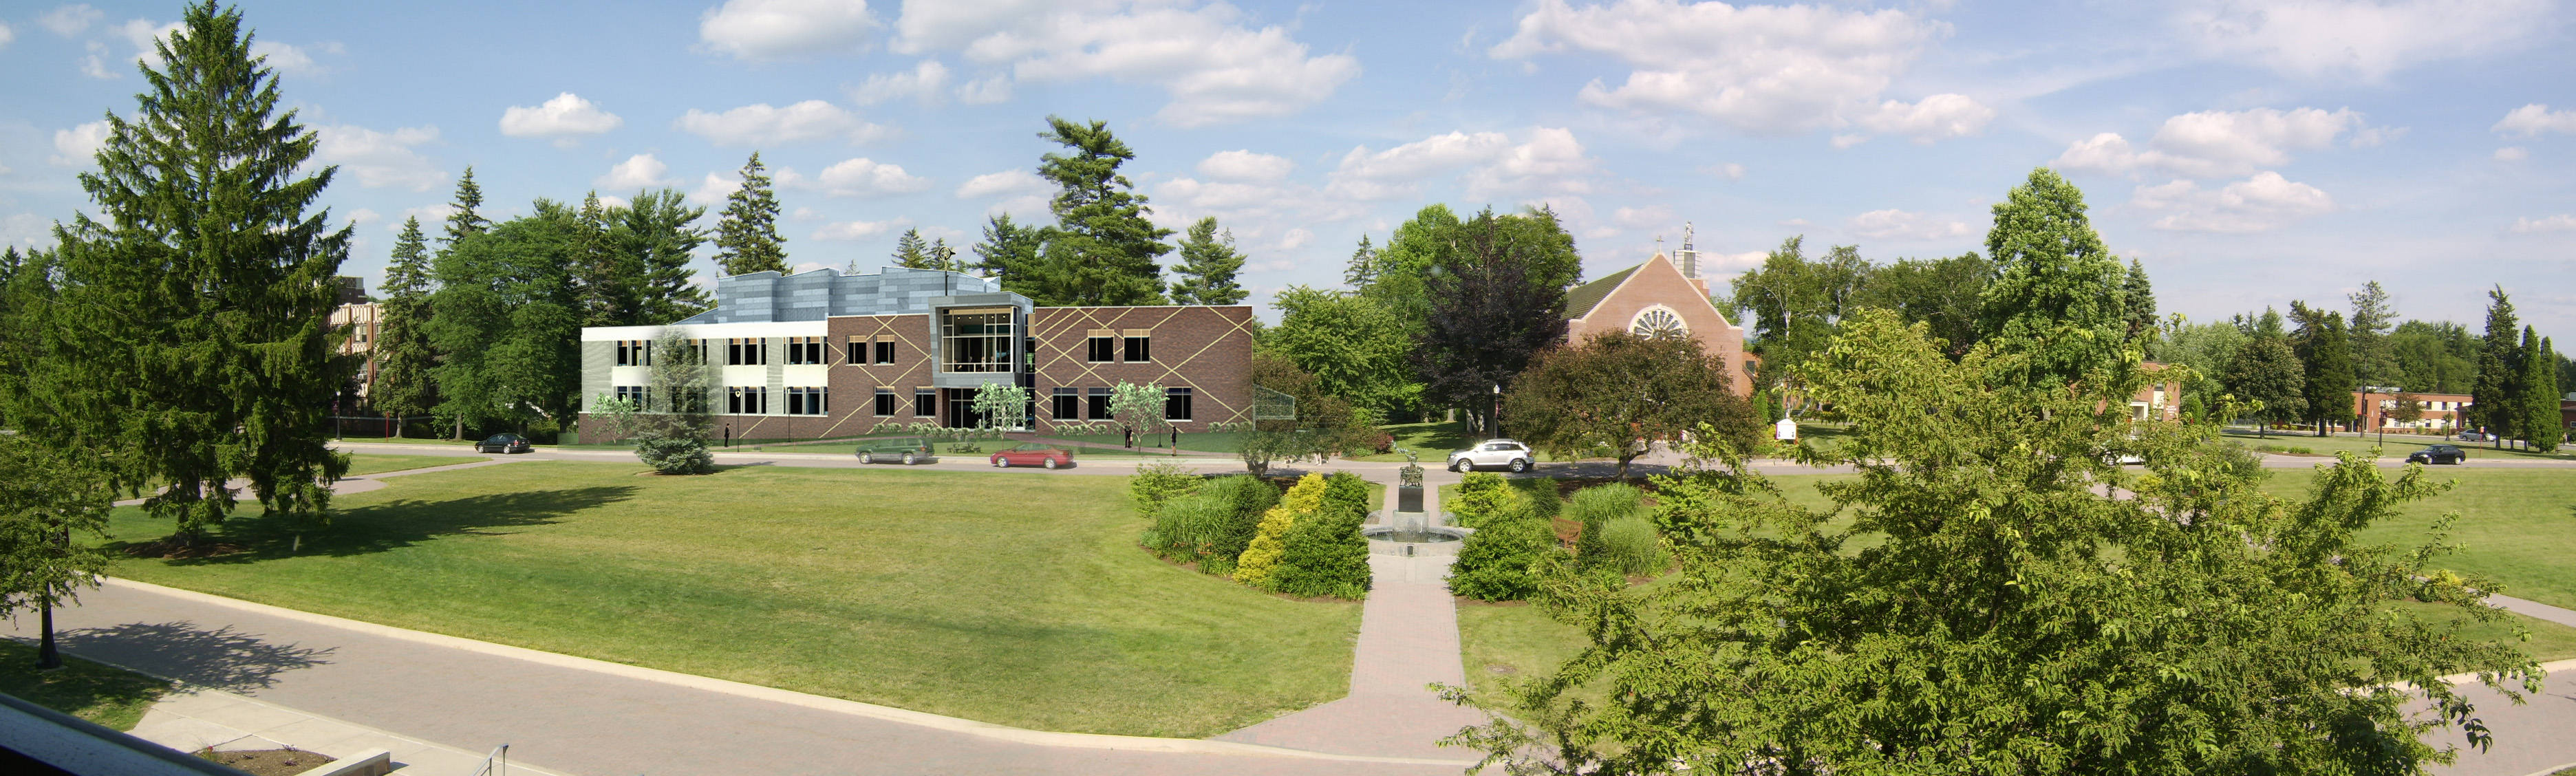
[1008, 252]
[1494, 306]
[1102, 250]
[1209, 262]
[404, 386]
[606, 282]
[2049, 295]
[656, 232]
[193, 343]
[747, 238]
[2024, 606]
[2542, 423]
[2373, 358]
[2325, 359]
[2495, 401]
[2266, 370]
[1616, 388]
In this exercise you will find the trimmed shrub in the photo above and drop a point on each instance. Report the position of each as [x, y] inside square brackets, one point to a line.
[1155, 483]
[1482, 495]
[1596, 507]
[676, 455]
[1253, 568]
[1494, 564]
[1344, 490]
[1246, 498]
[1628, 546]
[1324, 554]
[1188, 527]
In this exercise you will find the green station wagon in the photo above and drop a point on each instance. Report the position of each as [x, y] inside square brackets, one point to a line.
[909, 450]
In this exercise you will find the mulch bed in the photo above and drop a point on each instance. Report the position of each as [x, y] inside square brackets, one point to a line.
[171, 549]
[268, 762]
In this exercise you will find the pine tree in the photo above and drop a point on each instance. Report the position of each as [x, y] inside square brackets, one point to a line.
[193, 344]
[1102, 251]
[2494, 402]
[403, 357]
[747, 238]
[462, 218]
[1009, 252]
[1208, 265]
[910, 252]
[656, 235]
[2053, 270]
[1362, 270]
[607, 281]
[2544, 425]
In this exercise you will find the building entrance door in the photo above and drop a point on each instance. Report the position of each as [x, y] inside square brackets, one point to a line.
[959, 410]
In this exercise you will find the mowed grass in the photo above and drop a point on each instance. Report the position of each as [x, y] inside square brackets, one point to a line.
[371, 463]
[1018, 599]
[104, 694]
[2394, 446]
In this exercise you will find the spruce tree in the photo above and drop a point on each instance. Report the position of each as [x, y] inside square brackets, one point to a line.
[193, 343]
[656, 235]
[1208, 265]
[2373, 356]
[910, 252]
[1362, 270]
[2493, 401]
[747, 238]
[403, 357]
[2544, 425]
[462, 216]
[2053, 272]
[1102, 250]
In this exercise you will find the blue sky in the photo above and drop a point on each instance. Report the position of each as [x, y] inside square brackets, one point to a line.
[2249, 153]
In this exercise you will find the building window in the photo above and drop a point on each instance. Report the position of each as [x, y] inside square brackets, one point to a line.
[854, 351]
[1104, 349]
[885, 402]
[746, 400]
[746, 351]
[975, 340]
[634, 353]
[806, 401]
[805, 350]
[1097, 404]
[1176, 404]
[1068, 404]
[1140, 349]
[925, 402]
[885, 350]
[633, 394]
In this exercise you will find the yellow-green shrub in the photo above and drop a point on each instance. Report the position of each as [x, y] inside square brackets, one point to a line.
[1482, 495]
[1302, 499]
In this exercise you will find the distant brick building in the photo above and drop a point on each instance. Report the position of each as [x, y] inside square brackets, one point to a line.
[2374, 409]
[822, 354]
[1660, 296]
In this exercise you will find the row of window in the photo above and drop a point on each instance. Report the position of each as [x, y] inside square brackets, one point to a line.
[1093, 404]
[974, 351]
[1104, 350]
[1066, 404]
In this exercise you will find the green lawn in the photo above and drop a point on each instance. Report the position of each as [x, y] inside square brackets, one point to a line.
[1013, 599]
[1512, 640]
[371, 463]
[108, 696]
[2396, 445]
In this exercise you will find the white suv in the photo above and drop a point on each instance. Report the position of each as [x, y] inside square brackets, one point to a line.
[1492, 452]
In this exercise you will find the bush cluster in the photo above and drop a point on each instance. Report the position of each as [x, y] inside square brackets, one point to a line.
[1495, 562]
[1482, 495]
[1211, 526]
[1306, 543]
[1596, 507]
[1155, 483]
[1324, 553]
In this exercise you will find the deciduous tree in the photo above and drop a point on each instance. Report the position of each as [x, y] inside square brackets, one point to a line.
[2266, 370]
[1792, 304]
[506, 318]
[1618, 391]
[52, 509]
[1208, 265]
[2058, 294]
[1354, 346]
[1942, 293]
[1498, 300]
[747, 238]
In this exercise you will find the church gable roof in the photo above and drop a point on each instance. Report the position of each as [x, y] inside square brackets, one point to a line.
[1580, 300]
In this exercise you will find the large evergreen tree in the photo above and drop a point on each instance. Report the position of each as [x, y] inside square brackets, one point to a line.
[2058, 295]
[1102, 250]
[910, 252]
[747, 238]
[1208, 265]
[2325, 361]
[464, 213]
[403, 386]
[656, 233]
[2373, 356]
[1009, 252]
[191, 343]
[606, 282]
[2543, 424]
[2494, 401]
[1362, 269]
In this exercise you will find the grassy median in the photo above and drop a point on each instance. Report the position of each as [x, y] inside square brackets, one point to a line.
[1014, 598]
[104, 694]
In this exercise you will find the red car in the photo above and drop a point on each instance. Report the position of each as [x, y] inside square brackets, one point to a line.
[1034, 454]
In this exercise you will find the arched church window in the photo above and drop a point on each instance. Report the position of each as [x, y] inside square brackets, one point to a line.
[1658, 321]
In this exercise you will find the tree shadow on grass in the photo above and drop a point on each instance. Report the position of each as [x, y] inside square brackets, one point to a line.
[402, 523]
[81, 687]
[223, 658]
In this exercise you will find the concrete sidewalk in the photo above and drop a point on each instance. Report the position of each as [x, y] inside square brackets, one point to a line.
[198, 719]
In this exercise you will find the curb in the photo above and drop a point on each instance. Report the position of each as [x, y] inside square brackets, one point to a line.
[789, 697]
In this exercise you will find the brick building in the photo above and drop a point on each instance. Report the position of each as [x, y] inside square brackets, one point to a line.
[1660, 296]
[2375, 408]
[822, 354]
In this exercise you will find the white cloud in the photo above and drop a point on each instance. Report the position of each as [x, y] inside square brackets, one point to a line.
[363, 217]
[773, 29]
[564, 118]
[1011, 181]
[640, 171]
[78, 146]
[715, 188]
[2263, 202]
[864, 177]
[2556, 223]
[291, 59]
[7, 36]
[2511, 154]
[1646, 217]
[1215, 68]
[2536, 118]
[857, 230]
[27, 230]
[1730, 170]
[70, 20]
[1245, 166]
[1900, 225]
[2209, 144]
[94, 64]
[761, 125]
[379, 159]
[926, 82]
[2361, 38]
[142, 33]
[1760, 69]
[430, 216]
[985, 91]
[1552, 161]
[611, 200]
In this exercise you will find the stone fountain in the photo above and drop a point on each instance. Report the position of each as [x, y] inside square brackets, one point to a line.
[1408, 529]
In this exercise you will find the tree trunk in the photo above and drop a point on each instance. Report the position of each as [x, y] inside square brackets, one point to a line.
[47, 655]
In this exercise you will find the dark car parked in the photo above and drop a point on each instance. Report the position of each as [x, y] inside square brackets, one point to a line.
[504, 443]
[909, 450]
[2438, 454]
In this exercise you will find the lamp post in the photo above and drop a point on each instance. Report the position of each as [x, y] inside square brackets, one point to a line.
[1494, 413]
